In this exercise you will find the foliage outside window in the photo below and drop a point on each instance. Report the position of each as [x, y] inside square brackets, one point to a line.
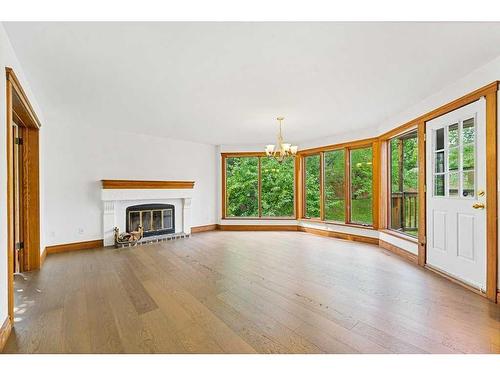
[242, 186]
[277, 187]
[361, 174]
[404, 183]
[312, 186]
[276, 184]
[334, 172]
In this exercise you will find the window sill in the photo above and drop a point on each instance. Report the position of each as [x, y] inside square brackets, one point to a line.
[259, 218]
[400, 235]
[337, 223]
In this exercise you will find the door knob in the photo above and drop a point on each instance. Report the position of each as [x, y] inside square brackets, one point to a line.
[478, 206]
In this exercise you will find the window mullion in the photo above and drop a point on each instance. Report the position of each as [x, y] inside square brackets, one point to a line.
[321, 186]
[347, 186]
[259, 187]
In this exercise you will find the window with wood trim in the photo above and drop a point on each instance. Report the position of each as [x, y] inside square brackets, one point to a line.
[361, 185]
[277, 187]
[312, 178]
[338, 184]
[242, 187]
[334, 186]
[259, 187]
[403, 184]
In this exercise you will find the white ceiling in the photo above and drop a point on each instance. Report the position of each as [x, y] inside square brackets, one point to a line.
[224, 83]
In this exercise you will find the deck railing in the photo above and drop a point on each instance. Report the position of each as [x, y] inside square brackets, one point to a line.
[404, 212]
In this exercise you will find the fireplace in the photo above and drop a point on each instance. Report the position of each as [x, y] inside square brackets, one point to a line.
[155, 219]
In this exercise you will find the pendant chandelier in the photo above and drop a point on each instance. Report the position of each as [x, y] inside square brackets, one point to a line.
[281, 150]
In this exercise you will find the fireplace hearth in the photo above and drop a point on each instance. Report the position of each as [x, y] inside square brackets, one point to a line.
[156, 219]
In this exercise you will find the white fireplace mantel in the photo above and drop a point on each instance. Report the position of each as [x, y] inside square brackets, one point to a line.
[116, 201]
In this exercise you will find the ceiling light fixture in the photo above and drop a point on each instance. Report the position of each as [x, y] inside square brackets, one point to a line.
[281, 150]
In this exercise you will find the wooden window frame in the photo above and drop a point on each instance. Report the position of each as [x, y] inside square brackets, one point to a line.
[386, 200]
[304, 190]
[348, 179]
[347, 147]
[259, 155]
[346, 188]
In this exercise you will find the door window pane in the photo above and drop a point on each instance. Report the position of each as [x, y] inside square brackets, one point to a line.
[242, 186]
[453, 135]
[312, 186]
[468, 184]
[453, 159]
[439, 185]
[468, 131]
[277, 187]
[440, 139]
[439, 168]
[453, 184]
[334, 185]
[468, 157]
[361, 185]
[404, 183]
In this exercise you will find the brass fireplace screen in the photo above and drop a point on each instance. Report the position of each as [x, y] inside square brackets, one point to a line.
[154, 219]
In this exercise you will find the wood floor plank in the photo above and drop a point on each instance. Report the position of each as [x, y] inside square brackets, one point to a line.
[140, 298]
[103, 331]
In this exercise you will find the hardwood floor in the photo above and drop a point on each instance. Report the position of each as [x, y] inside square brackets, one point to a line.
[247, 292]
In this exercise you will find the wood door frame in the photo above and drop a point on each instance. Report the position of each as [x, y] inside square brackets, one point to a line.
[19, 107]
[489, 92]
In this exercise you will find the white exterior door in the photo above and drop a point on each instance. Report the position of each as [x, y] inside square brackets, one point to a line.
[456, 188]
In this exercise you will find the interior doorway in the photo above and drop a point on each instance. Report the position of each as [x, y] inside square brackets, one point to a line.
[23, 189]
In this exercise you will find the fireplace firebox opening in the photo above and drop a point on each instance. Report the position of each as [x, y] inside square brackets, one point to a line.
[155, 219]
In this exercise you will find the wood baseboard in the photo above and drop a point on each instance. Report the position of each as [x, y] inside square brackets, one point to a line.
[5, 332]
[43, 255]
[204, 228]
[74, 246]
[413, 258]
[340, 235]
[287, 228]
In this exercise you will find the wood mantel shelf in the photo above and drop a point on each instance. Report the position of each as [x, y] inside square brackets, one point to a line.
[137, 184]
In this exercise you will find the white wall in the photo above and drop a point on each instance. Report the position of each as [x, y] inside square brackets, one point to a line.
[76, 159]
[7, 59]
